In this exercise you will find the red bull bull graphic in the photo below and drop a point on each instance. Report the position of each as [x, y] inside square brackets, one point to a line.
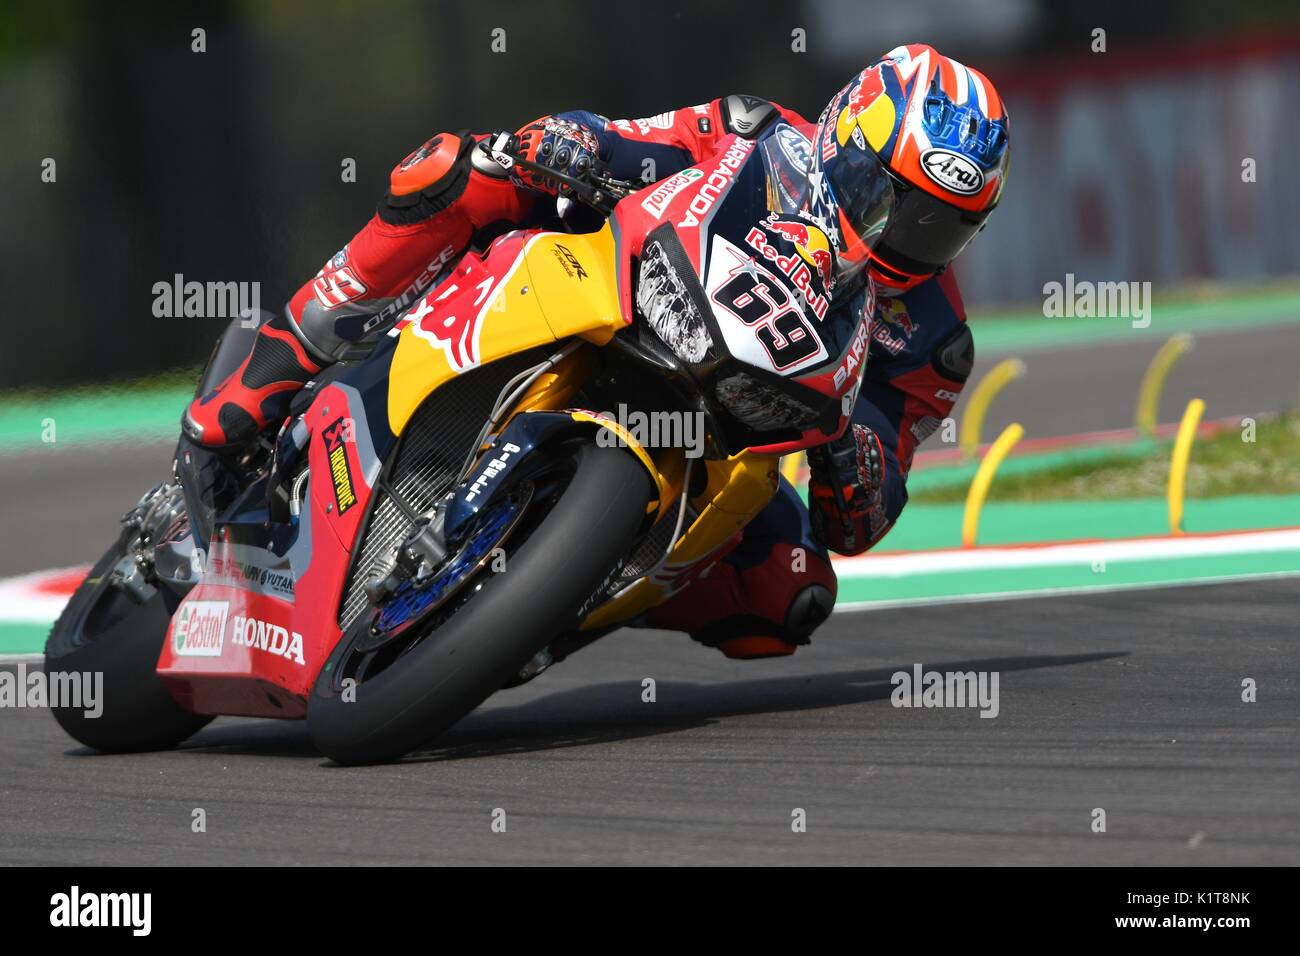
[796, 232]
[864, 92]
[823, 261]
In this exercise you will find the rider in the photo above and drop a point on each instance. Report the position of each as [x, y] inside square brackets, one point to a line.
[933, 129]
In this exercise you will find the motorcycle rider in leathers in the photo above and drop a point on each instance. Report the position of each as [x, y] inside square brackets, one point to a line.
[915, 123]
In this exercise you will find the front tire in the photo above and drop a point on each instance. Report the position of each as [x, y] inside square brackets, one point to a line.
[103, 632]
[483, 644]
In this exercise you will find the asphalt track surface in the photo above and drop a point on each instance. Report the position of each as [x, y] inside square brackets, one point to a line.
[1127, 701]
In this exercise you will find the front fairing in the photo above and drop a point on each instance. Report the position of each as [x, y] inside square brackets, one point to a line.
[785, 358]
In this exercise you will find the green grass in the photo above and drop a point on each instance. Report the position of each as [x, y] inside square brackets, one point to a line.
[1221, 465]
[181, 377]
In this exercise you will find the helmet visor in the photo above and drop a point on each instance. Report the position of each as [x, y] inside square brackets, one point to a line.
[925, 233]
[864, 193]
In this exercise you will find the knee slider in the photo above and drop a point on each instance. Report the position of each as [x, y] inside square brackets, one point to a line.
[811, 606]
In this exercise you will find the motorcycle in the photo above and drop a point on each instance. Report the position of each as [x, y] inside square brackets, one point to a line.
[456, 508]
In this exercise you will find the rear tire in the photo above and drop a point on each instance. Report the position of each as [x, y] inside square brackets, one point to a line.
[102, 631]
[483, 644]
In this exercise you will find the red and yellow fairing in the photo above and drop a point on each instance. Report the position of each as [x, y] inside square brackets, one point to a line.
[531, 289]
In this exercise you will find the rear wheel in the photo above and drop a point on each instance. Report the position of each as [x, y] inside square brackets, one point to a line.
[376, 700]
[104, 631]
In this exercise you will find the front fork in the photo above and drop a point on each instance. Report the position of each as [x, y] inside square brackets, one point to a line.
[736, 490]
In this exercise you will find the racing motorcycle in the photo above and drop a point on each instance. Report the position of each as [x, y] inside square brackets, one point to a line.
[454, 508]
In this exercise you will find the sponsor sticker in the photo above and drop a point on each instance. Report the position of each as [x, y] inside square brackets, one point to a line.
[658, 121]
[492, 469]
[264, 636]
[894, 312]
[335, 437]
[200, 629]
[853, 357]
[266, 579]
[413, 291]
[716, 183]
[796, 147]
[660, 195]
[952, 171]
[569, 262]
[812, 251]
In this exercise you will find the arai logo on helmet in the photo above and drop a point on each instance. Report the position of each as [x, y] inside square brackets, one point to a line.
[952, 171]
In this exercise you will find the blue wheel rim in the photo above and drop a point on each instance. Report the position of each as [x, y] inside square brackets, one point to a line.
[410, 601]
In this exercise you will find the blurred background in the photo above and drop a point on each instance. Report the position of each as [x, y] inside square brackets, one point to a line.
[225, 165]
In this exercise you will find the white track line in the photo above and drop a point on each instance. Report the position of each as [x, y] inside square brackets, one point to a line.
[21, 602]
[1081, 590]
[1082, 552]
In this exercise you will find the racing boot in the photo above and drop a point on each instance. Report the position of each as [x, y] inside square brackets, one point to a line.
[256, 394]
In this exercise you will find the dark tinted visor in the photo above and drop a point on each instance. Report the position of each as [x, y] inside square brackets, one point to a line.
[926, 233]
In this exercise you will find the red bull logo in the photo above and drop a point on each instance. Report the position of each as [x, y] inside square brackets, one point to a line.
[813, 245]
[867, 117]
[798, 268]
[895, 313]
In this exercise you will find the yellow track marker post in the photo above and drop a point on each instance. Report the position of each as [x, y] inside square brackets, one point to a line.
[1153, 381]
[979, 487]
[1178, 465]
[998, 378]
[790, 466]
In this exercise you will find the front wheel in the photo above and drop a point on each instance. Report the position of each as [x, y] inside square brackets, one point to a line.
[106, 637]
[374, 704]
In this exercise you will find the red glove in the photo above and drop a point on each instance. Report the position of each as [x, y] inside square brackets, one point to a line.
[562, 145]
[846, 490]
